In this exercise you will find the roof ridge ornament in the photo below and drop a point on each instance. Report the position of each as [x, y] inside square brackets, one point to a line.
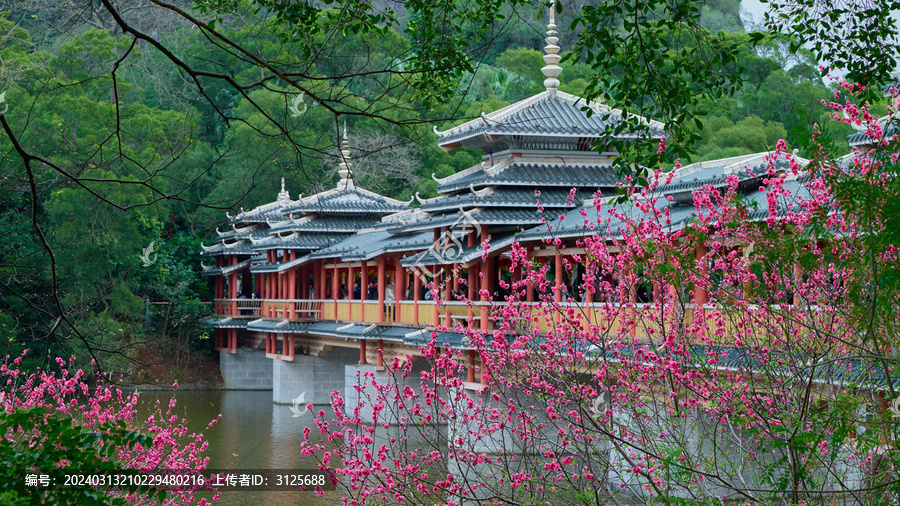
[551, 57]
[283, 196]
[346, 181]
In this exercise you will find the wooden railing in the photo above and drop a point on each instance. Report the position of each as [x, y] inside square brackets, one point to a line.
[238, 307]
[604, 318]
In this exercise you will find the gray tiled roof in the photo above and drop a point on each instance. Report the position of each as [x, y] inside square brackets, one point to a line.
[455, 256]
[228, 323]
[279, 266]
[861, 138]
[255, 233]
[273, 211]
[490, 216]
[350, 200]
[306, 241]
[327, 223]
[545, 114]
[393, 244]
[501, 197]
[278, 326]
[538, 176]
[212, 271]
[244, 248]
[847, 371]
[453, 339]
[371, 244]
[886, 89]
[574, 224]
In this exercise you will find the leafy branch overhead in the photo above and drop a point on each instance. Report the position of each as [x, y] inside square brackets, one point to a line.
[654, 59]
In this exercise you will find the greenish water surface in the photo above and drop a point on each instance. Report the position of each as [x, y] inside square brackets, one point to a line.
[253, 433]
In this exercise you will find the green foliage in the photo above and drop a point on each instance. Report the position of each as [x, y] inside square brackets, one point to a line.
[524, 64]
[857, 38]
[62, 441]
[654, 59]
[749, 135]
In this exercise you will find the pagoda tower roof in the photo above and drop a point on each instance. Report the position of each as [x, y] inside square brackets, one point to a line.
[311, 223]
[551, 116]
[552, 119]
[533, 174]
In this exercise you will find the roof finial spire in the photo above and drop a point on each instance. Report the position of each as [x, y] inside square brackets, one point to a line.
[344, 167]
[283, 195]
[551, 57]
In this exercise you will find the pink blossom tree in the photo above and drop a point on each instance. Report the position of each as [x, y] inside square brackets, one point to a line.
[54, 421]
[761, 370]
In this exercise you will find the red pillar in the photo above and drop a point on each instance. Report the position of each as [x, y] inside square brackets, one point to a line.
[304, 281]
[273, 294]
[701, 297]
[558, 272]
[379, 359]
[417, 289]
[363, 289]
[381, 283]
[291, 345]
[470, 369]
[398, 288]
[350, 293]
[232, 287]
[529, 286]
[435, 314]
[364, 282]
[292, 287]
[319, 280]
[482, 298]
[362, 352]
[335, 280]
[404, 279]
[471, 283]
[448, 295]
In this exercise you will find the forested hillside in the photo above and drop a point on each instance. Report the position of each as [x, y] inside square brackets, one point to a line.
[158, 164]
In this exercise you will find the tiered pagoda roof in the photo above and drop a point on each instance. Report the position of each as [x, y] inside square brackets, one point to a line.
[247, 227]
[551, 119]
[544, 142]
[308, 224]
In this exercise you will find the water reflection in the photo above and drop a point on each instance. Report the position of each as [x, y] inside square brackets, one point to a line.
[253, 433]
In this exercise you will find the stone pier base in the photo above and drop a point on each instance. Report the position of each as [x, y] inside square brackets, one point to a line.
[248, 369]
[318, 377]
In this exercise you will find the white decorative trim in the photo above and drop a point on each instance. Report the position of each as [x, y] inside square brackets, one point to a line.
[484, 192]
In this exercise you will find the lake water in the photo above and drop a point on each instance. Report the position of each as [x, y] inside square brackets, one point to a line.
[253, 433]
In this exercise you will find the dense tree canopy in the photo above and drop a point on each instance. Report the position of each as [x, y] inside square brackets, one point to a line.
[139, 123]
